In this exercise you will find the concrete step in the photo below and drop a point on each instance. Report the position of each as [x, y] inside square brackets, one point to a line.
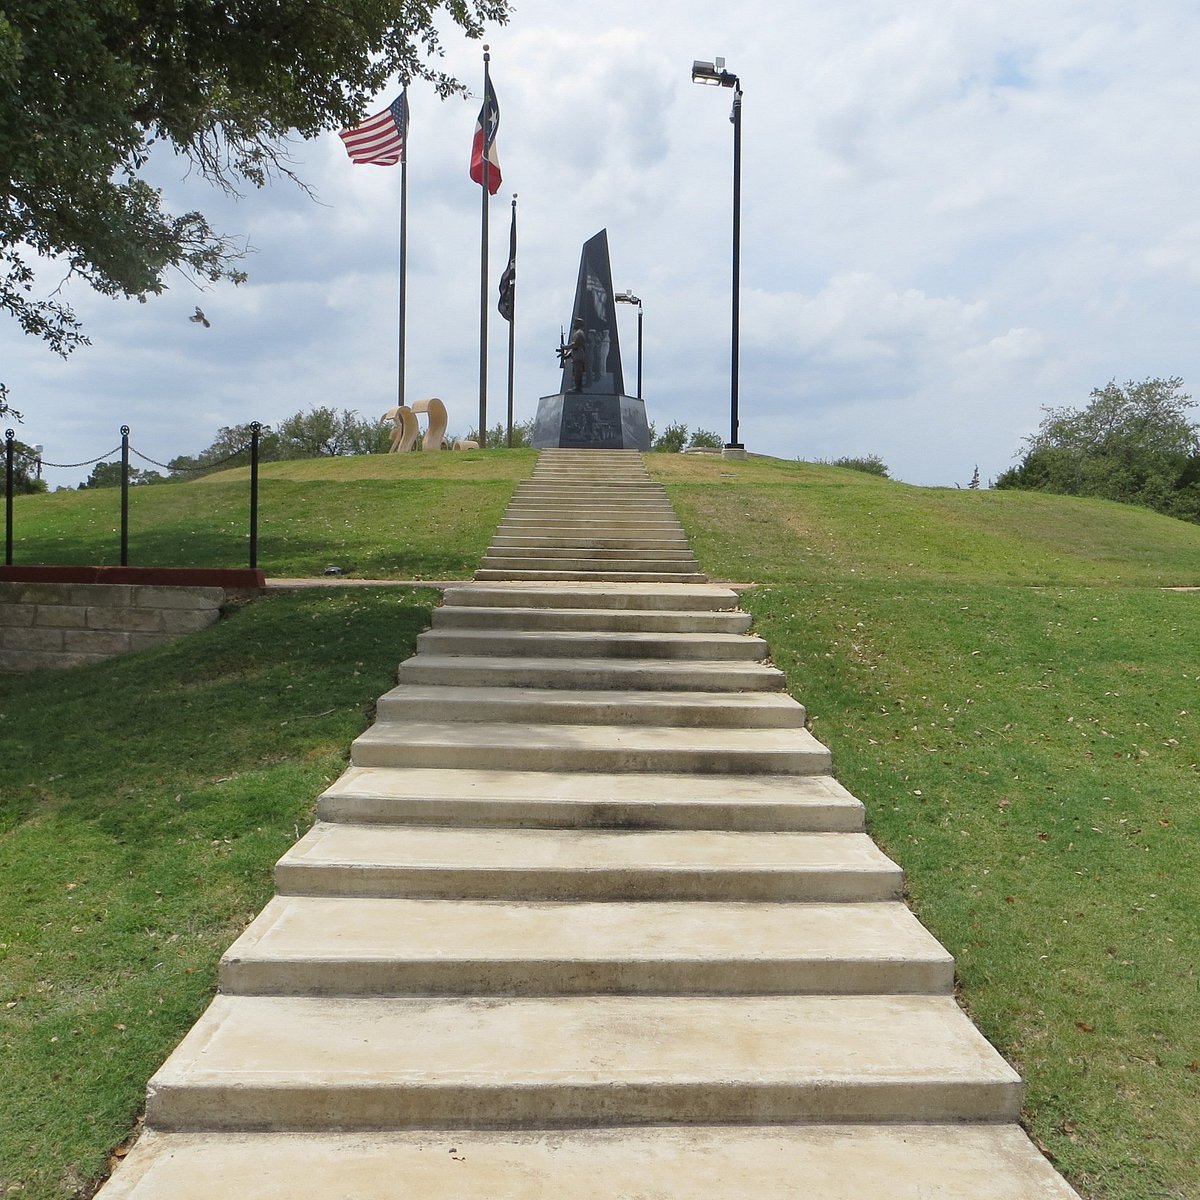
[567, 643]
[590, 493]
[590, 747]
[598, 491]
[585, 864]
[603, 474]
[564, 509]
[363, 946]
[598, 563]
[717, 711]
[494, 574]
[582, 461]
[587, 468]
[299, 1063]
[591, 800]
[689, 1162]
[459, 616]
[606, 462]
[597, 481]
[617, 524]
[647, 674]
[549, 501]
[571, 510]
[586, 530]
[639, 596]
[574, 541]
[542, 552]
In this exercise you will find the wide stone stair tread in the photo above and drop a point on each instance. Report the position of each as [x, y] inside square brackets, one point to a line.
[460, 616]
[584, 559]
[338, 945]
[634, 674]
[610, 515]
[586, 864]
[537, 520]
[674, 597]
[561, 501]
[410, 703]
[563, 576]
[592, 799]
[550, 498]
[690, 1162]
[517, 746]
[525, 548]
[568, 643]
[574, 543]
[284, 1062]
[575, 568]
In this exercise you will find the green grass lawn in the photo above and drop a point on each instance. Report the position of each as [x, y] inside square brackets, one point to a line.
[144, 803]
[1010, 692]
[1001, 677]
[385, 516]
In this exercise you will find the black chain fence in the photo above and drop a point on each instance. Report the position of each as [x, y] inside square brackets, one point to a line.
[12, 454]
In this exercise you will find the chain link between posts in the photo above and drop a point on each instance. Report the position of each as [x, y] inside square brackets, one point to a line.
[12, 452]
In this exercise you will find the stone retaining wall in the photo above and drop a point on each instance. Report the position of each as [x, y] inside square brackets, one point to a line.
[58, 625]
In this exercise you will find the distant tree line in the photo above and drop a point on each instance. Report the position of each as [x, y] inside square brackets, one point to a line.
[869, 464]
[318, 433]
[677, 438]
[1133, 442]
[27, 480]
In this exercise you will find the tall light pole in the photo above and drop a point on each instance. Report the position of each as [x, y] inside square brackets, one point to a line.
[715, 74]
[628, 297]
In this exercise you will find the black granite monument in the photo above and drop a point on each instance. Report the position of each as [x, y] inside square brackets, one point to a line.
[591, 411]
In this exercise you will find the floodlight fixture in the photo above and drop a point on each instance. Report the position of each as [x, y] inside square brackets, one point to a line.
[715, 74]
[627, 297]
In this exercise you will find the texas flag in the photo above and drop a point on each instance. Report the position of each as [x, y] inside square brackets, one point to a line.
[484, 147]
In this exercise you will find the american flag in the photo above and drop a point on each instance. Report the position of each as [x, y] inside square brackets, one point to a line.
[380, 139]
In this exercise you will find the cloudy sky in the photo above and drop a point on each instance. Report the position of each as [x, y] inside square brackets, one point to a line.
[953, 214]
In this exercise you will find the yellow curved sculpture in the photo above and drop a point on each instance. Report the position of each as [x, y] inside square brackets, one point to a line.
[465, 444]
[435, 413]
[405, 428]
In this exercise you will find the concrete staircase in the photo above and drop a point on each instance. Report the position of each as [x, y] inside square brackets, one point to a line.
[586, 917]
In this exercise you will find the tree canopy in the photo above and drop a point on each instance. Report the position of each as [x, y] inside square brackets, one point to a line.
[319, 432]
[1134, 442]
[676, 438]
[89, 87]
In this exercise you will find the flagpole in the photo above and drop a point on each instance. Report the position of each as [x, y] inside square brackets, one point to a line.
[403, 261]
[483, 262]
[512, 333]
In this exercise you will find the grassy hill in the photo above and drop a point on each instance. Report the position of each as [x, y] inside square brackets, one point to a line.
[418, 516]
[1002, 679]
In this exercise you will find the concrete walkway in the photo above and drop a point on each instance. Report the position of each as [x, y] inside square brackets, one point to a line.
[588, 916]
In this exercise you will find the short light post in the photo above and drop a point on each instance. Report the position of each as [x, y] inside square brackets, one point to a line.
[715, 74]
[628, 297]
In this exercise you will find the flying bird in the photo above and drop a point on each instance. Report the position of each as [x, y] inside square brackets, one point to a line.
[200, 319]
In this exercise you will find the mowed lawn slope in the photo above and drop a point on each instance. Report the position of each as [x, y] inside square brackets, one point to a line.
[386, 516]
[1007, 686]
[1001, 677]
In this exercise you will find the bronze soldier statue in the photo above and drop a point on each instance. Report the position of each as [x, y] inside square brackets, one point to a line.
[576, 351]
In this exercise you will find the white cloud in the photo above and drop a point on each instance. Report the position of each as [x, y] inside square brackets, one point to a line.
[952, 215]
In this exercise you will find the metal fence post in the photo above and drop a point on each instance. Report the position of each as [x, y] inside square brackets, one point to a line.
[9, 480]
[255, 430]
[124, 495]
